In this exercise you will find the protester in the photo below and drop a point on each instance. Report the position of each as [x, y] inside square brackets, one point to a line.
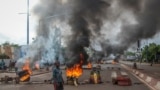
[2, 65]
[10, 65]
[57, 76]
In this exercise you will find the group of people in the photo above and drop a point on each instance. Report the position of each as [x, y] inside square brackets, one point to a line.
[3, 65]
[56, 74]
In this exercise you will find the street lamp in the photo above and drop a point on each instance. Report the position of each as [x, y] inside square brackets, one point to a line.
[27, 22]
[27, 14]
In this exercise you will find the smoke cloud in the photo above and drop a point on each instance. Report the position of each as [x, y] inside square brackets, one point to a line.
[115, 25]
[46, 46]
[86, 19]
[131, 4]
[147, 26]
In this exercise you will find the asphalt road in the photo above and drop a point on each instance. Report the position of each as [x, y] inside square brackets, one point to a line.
[105, 75]
[145, 68]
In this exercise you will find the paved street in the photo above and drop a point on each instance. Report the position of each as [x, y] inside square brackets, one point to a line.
[150, 75]
[152, 71]
[105, 75]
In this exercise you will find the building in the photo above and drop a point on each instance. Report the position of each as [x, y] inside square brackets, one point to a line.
[10, 51]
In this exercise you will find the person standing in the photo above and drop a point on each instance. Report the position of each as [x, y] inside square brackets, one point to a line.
[10, 65]
[57, 77]
[3, 65]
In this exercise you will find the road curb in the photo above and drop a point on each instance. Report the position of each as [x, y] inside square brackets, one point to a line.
[151, 81]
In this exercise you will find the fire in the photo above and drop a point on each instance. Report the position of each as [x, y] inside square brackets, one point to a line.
[37, 66]
[27, 69]
[24, 77]
[95, 76]
[113, 62]
[75, 71]
[89, 65]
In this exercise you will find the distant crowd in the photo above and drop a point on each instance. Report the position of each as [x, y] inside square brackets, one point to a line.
[3, 65]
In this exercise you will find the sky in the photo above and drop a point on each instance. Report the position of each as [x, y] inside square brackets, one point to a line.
[13, 26]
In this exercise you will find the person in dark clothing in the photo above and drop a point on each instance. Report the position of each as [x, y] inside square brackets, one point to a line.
[2, 65]
[57, 77]
[10, 65]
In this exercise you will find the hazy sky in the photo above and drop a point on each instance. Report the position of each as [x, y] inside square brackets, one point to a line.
[13, 24]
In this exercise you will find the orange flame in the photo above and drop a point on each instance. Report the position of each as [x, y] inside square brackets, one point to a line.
[26, 67]
[113, 62]
[24, 77]
[75, 71]
[37, 66]
[89, 65]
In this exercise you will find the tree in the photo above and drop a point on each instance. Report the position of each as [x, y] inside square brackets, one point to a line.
[15, 45]
[6, 43]
[10, 44]
[4, 56]
[149, 52]
[130, 53]
[145, 53]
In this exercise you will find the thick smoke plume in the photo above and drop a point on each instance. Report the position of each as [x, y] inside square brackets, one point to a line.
[86, 19]
[114, 24]
[147, 26]
[131, 4]
[47, 45]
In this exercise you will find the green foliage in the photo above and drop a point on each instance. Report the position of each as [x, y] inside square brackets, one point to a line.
[6, 43]
[158, 48]
[4, 56]
[10, 44]
[149, 52]
[15, 45]
[130, 53]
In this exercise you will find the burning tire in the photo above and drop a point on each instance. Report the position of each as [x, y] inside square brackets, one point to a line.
[24, 76]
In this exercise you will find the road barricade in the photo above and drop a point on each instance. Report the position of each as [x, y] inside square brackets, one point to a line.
[120, 78]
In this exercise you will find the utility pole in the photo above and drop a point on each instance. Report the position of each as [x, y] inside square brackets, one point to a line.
[27, 22]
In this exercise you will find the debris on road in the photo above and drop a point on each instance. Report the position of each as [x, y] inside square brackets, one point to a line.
[121, 78]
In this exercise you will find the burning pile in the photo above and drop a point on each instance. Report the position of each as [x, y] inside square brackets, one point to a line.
[95, 77]
[89, 66]
[37, 67]
[74, 72]
[24, 75]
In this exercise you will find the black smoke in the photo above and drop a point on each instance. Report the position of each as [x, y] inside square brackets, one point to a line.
[48, 11]
[148, 25]
[135, 5]
[87, 17]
